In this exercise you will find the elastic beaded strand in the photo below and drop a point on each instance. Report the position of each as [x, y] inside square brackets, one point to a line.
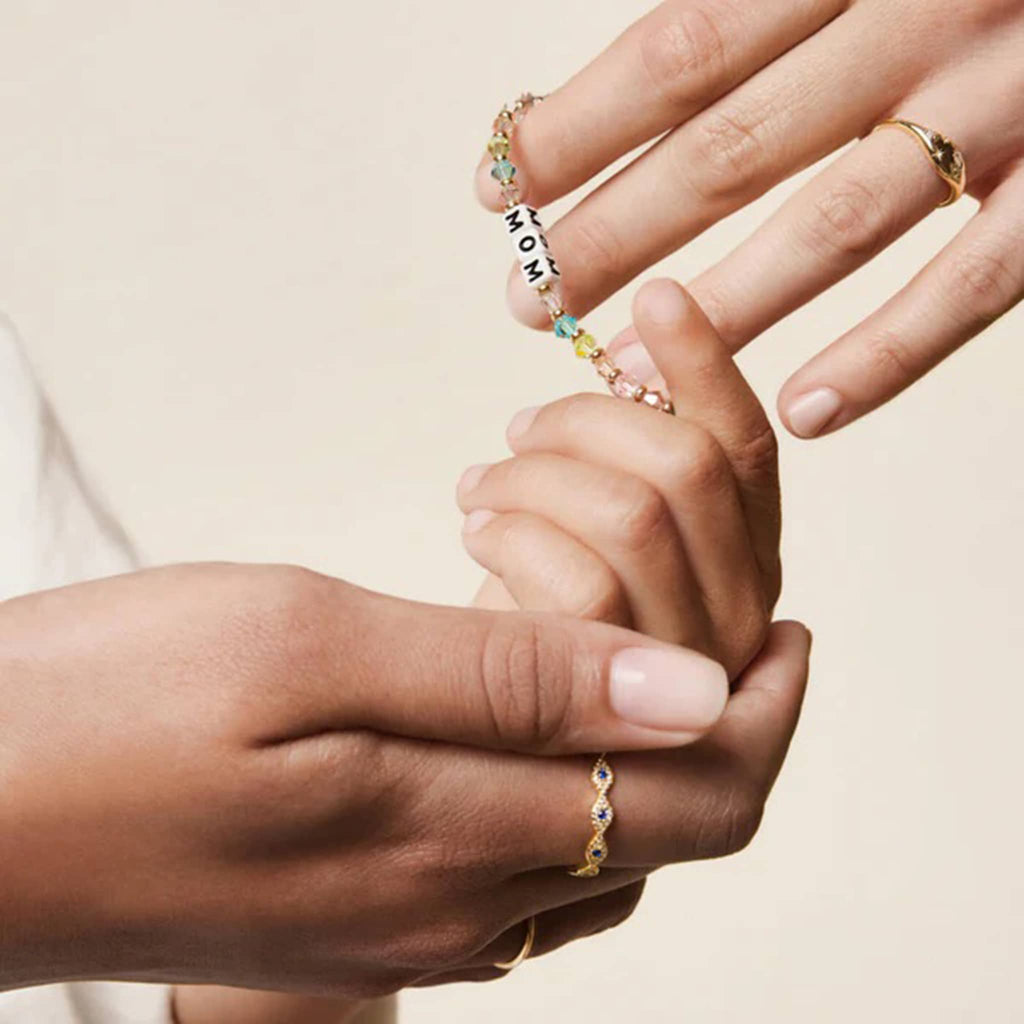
[539, 268]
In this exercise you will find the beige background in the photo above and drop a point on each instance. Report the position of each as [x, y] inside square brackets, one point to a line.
[241, 242]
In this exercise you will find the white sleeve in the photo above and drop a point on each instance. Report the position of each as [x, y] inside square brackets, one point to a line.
[54, 531]
[87, 1002]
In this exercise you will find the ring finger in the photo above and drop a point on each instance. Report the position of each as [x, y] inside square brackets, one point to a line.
[849, 213]
[554, 929]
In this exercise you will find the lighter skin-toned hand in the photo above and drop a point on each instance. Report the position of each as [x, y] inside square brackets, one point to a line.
[266, 778]
[736, 97]
[665, 524]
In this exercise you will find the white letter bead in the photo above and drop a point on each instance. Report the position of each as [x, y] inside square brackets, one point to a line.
[529, 244]
[524, 227]
[540, 270]
[522, 217]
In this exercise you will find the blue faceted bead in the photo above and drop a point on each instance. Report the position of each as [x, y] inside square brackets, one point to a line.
[602, 815]
[565, 327]
[503, 170]
[596, 853]
[601, 774]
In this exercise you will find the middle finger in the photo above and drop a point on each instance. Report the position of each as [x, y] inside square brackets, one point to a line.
[662, 70]
[770, 127]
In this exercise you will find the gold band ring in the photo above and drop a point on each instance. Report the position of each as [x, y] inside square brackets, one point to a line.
[531, 934]
[948, 161]
[601, 816]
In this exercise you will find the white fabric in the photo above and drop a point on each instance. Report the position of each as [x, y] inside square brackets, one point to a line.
[53, 531]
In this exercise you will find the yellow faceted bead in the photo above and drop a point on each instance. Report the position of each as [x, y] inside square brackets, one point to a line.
[498, 146]
[585, 346]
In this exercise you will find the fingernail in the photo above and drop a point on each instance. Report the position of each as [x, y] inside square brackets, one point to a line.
[472, 476]
[674, 690]
[634, 359]
[664, 302]
[521, 423]
[477, 520]
[809, 414]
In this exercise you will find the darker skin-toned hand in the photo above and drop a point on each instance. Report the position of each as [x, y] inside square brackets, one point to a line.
[261, 777]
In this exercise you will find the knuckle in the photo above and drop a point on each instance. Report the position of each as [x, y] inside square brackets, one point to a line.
[729, 821]
[848, 220]
[980, 281]
[645, 513]
[455, 942]
[604, 599]
[757, 454]
[890, 362]
[749, 631]
[290, 595]
[730, 151]
[278, 624]
[596, 246]
[522, 676]
[574, 413]
[697, 467]
[681, 49]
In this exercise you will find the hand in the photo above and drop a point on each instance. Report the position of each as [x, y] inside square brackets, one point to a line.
[747, 95]
[666, 524]
[271, 779]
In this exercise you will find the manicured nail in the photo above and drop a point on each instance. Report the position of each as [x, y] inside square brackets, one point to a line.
[469, 479]
[664, 302]
[809, 414]
[477, 520]
[634, 359]
[674, 690]
[521, 423]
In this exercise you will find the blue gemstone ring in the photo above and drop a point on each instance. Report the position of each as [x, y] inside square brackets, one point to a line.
[601, 817]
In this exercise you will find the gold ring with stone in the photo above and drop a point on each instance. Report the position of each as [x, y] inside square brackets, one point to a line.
[523, 954]
[946, 158]
[601, 816]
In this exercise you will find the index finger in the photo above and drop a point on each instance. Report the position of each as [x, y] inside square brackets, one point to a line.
[675, 342]
[658, 73]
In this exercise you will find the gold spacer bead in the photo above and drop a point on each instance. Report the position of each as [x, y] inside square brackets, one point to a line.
[575, 334]
[638, 395]
[543, 288]
[596, 354]
[613, 375]
[556, 313]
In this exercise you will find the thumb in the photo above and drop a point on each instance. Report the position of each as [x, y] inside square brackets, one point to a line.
[536, 683]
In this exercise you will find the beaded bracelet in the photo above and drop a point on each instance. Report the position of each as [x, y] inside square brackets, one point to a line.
[538, 266]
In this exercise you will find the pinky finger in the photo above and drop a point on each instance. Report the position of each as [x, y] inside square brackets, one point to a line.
[544, 568]
[555, 928]
[977, 278]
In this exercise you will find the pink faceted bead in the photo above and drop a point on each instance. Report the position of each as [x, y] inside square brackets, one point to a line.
[625, 386]
[606, 368]
[552, 299]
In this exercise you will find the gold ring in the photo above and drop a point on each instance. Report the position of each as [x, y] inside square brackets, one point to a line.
[946, 158]
[531, 934]
[601, 816]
